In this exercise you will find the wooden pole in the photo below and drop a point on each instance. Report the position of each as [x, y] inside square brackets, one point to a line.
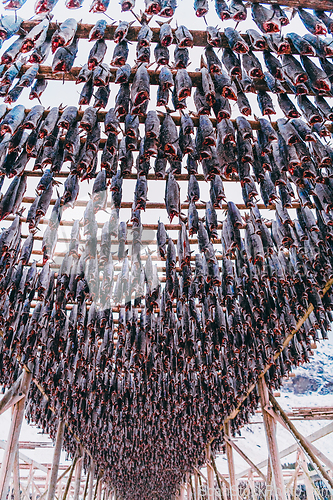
[210, 474]
[56, 460]
[196, 487]
[231, 465]
[245, 457]
[217, 478]
[308, 485]
[86, 486]
[269, 478]
[77, 482]
[270, 429]
[302, 441]
[13, 438]
[16, 476]
[69, 480]
[7, 399]
[91, 481]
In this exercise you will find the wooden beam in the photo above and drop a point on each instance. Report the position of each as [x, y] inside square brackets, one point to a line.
[69, 479]
[77, 481]
[245, 457]
[307, 482]
[270, 431]
[91, 480]
[71, 76]
[231, 465]
[210, 474]
[5, 401]
[56, 460]
[305, 4]
[16, 476]
[304, 444]
[217, 478]
[328, 429]
[196, 487]
[13, 437]
[199, 37]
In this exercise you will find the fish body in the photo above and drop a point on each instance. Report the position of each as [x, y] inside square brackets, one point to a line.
[168, 8]
[41, 52]
[235, 41]
[184, 37]
[9, 25]
[64, 57]
[44, 6]
[303, 47]
[201, 7]
[165, 35]
[312, 22]
[73, 4]
[99, 6]
[120, 54]
[265, 19]
[64, 36]
[172, 197]
[238, 10]
[10, 55]
[96, 54]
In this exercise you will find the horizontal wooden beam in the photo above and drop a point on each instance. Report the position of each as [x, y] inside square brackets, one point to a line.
[305, 4]
[152, 205]
[315, 436]
[26, 459]
[46, 72]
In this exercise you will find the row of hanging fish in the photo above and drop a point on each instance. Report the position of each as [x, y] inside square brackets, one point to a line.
[145, 388]
[246, 70]
[269, 20]
[269, 161]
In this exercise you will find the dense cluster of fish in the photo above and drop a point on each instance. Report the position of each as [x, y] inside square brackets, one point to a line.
[219, 81]
[268, 160]
[144, 363]
[269, 20]
[157, 379]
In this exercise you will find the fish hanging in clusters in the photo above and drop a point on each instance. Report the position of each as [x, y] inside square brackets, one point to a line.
[144, 353]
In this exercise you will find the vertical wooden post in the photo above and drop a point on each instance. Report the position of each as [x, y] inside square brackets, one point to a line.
[99, 490]
[270, 429]
[16, 476]
[77, 481]
[86, 486]
[13, 437]
[307, 482]
[196, 486]
[210, 474]
[222, 496]
[251, 484]
[231, 465]
[269, 479]
[295, 476]
[56, 460]
[188, 487]
[69, 480]
[91, 481]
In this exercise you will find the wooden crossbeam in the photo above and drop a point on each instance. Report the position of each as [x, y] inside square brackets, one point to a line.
[305, 4]
[26, 459]
[71, 76]
[199, 36]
